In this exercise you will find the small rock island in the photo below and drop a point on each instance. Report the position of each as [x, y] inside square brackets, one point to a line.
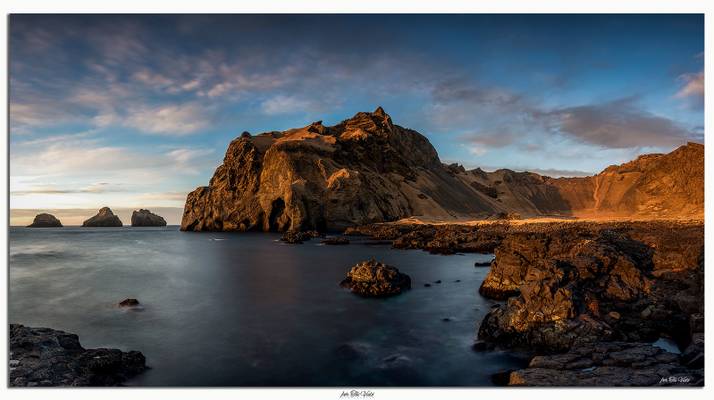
[375, 279]
[104, 218]
[146, 218]
[45, 220]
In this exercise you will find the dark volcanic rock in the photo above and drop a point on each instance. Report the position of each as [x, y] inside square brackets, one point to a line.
[336, 240]
[47, 357]
[104, 218]
[609, 364]
[146, 218]
[374, 279]
[297, 237]
[129, 303]
[584, 283]
[45, 221]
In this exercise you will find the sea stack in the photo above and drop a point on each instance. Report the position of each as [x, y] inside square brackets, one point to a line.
[45, 220]
[146, 218]
[104, 218]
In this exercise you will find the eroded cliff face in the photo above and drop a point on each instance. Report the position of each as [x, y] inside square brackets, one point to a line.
[651, 186]
[367, 169]
[363, 170]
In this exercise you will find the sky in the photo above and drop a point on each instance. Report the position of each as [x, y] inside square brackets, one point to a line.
[136, 111]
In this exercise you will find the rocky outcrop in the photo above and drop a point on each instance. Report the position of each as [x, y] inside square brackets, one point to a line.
[47, 357]
[146, 218]
[45, 221]
[104, 218]
[365, 169]
[375, 279]
[297, 237]
[336, 240]
[609, 364]
[595, 282]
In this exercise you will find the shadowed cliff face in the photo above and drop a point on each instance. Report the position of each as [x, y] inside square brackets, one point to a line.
[367, 169]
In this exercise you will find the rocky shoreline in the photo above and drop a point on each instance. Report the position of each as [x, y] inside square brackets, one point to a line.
[572, 289]
[48, 357]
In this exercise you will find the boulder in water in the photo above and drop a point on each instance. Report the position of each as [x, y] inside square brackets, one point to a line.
[375, 279]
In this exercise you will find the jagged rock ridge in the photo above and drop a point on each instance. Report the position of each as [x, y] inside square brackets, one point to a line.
[367, 169]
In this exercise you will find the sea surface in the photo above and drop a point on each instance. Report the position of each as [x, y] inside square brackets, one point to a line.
[244, 309]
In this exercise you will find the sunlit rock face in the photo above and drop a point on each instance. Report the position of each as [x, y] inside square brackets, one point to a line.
[367, 169]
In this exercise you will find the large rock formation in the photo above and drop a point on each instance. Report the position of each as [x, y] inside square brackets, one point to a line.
[146, 218]
[47, 357]
[367, 169]
[104, 218]
[45, 221]
[586, 284]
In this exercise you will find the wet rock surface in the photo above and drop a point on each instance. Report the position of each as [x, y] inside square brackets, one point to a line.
[48, 357]
[104, 218]
[297, 237]
[375, 279]
[609, 364]
[146, 218]
[336, 240]
[45, 220]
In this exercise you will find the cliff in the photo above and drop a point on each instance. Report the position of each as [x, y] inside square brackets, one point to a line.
[367, 169]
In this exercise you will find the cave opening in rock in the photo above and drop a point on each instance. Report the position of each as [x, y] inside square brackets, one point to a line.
[276, 220]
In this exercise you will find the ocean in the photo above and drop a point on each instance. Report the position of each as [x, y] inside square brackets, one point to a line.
[244, 309]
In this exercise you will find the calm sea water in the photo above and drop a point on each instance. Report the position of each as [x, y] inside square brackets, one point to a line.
[224, 309]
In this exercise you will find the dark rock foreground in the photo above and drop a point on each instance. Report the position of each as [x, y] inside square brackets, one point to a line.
[146, 218]
[572, 289]
[45, 221]
[609, 364]
[374, 279]
[47, 357]
[104, 218]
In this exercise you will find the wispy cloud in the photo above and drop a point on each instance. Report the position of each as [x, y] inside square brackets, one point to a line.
[617, 124]
[692, 89]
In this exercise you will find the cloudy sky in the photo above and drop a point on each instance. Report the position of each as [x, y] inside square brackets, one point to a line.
[136, 111]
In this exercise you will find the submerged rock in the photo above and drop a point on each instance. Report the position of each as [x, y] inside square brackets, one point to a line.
[297, 237]
[336, 240]
[104, 218]
[129, 303]
[45, 220]
[48, 357]
[375, 279]
[146, 218]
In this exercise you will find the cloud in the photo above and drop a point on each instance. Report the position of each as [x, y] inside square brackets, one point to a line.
[617, 124]
[692, 89]
[179, 120]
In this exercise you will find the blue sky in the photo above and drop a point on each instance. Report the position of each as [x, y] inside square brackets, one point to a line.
[136, 111]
